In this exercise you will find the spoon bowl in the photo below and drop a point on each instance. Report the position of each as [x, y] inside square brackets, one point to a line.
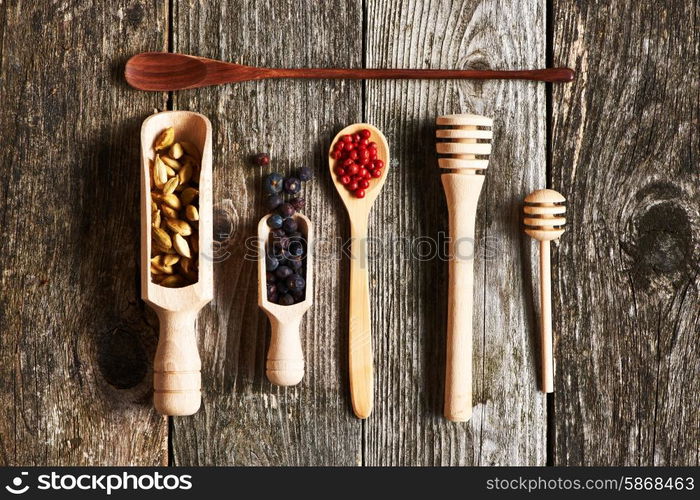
[360, 331]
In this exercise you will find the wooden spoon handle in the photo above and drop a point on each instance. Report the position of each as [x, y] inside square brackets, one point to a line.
[546, 351]
[543, 75]
[285, 358]
[360, 329]
[462, 193]
[176, 370]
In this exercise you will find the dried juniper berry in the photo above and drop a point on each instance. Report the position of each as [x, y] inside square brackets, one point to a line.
[295, 263]
[286, 210]
[273, 298]
[290, 225]
[283, 272]
[297, 203]
[270, 278]
[286, 300]
[305, 174]
[273, 183]
[275, 221]
[272, 289]
[297, 294]
[292, 185]
[295, 282]
[271, 262]
[282, 287]
[273, 201]
[296, 249]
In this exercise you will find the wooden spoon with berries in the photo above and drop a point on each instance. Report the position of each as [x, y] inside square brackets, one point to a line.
[359, 163]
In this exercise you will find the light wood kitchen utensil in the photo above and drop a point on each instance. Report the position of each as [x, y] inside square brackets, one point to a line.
[164, 71]
[464, 146]
[176, 368]
[544, 222]
[285, 358]
[360, 329]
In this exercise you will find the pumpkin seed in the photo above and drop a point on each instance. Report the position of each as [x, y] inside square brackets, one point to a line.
[170, 260]
[176, 151]
[161, 238]
[185, 173]
[191, 213]
[168, 212]
[160, 173]
[172, 201]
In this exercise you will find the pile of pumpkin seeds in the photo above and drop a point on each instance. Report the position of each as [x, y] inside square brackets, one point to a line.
[174, 211]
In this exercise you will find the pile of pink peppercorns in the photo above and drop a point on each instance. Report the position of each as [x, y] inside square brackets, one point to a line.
[356, 162]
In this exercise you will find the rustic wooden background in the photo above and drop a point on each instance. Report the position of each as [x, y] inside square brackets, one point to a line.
[76, 342]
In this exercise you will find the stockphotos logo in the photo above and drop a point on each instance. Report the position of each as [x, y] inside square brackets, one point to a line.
[16, 487]
[106, 483]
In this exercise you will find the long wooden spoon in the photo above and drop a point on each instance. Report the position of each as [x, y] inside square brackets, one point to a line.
[285, 358]
[360, 329]
[164, 71]
[176, 368]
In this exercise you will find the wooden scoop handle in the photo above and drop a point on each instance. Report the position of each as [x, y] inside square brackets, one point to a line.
[462, 193]
[285, 358]
[360, 329]
[177, 379]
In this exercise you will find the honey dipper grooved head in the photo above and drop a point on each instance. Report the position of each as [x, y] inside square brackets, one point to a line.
[543, 214]
[464, 142]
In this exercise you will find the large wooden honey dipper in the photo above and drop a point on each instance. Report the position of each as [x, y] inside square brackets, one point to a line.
[464, 143]
[544, 222]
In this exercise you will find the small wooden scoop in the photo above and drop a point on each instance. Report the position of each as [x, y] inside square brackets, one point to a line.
[285, 358]
[176, 369]
[361, 371]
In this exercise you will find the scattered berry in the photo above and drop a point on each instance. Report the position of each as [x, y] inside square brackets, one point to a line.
[273, 201]
[305, 174]
[297, 203]
[292, 185]
[261, 159]
[286, 210]
[273, 183]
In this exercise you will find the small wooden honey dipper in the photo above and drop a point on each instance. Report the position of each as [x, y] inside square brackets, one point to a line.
[464, 143]
[544, 222]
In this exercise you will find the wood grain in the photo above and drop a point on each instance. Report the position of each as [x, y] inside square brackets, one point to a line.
[626, 284]
[245, 420]
[509, 421]
[76, 344]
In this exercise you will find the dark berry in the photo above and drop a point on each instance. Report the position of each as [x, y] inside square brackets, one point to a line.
[290, 225]
[273, 201]
[273, 183]
[273, 298]
[283, 272]
[282, 287]
[292, 185]
[296, 248]
[297, 203]
[270, 278]
[286, 210]
[305, 174]
[286, 300]
[295, 282]
[275, 221]
[295, 263]
[261, 159]
[278, 233]
[298, 295]
[271, 262]
[272, 289]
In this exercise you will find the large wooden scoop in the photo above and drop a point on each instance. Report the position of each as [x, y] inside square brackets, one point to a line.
[176, 369]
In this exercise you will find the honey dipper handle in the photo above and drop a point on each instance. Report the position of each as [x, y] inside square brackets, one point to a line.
[462, 193]
[360, 330]
[285, 358]
[546, 350]
[176, 370]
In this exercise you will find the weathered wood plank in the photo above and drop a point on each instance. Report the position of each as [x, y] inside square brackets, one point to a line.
[245, 420]
[76, 345]
[509, 422]
[625, 153]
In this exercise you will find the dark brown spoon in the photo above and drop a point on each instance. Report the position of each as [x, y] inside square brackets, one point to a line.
[167, 71]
